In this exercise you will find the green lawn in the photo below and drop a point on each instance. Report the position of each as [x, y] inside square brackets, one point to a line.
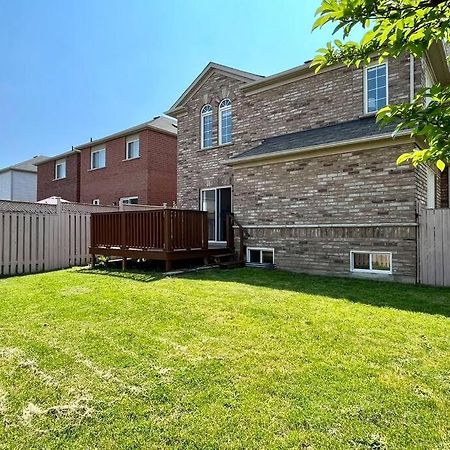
[222, 359]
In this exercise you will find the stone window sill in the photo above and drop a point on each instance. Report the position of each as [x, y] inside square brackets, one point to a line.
[96, 168]
[131, 159]
[214, 147]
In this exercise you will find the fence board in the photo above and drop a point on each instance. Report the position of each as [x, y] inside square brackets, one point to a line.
[35, 237]
[434, 247]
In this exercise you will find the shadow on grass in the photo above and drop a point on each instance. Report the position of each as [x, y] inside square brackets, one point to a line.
[404, 297]
[423, 299]
[135, 275]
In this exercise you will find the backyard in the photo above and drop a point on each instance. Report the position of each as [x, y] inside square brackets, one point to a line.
[222, 359]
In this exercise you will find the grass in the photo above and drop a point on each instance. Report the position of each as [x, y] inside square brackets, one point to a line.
[222, 359]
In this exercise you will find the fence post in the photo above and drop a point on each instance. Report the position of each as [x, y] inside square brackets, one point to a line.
[60, 233]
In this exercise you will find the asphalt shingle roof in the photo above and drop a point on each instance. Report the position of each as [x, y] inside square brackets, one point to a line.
[354, 129]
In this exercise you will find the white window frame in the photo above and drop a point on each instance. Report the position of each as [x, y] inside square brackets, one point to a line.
[96, 201]
[60, 162]
[227, 107]
[204, 114]
[130, 140]
[93, 152]
[261, 249]
[431, 188]
[366, 85]
[126, 200]
[370, 270]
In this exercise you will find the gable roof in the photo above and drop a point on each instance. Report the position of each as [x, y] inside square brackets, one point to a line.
[162, 124]
[26, 166]
[346, 132]
[245, 77]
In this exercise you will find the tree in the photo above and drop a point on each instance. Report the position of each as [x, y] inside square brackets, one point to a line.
[393, 28]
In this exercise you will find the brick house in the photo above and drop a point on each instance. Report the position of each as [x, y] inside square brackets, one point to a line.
[137, 165]
[298, 158]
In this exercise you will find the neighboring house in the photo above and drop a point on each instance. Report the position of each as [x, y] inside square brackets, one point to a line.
[136, 165]
[19, 182]
[59, 176]
[299, 160]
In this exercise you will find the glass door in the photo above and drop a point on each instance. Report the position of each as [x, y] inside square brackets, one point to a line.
[217, 203]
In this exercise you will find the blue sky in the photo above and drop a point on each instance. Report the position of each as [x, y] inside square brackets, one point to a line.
[76, 69]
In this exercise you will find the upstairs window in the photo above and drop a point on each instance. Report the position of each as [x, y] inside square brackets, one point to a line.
[376, 88]
[98, 158]
[206, 126]
[132, 151]
[225, 122]
[60, 169]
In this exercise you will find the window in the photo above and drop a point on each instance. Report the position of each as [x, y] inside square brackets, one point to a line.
[372, 262]
[132, 147]
[376, 88]
[130, 200]
[428, 83]
[225, 122]
[98, 158]
[60, 169]
[206, 126]
[431, 188]
[96, 201]
[260, 256]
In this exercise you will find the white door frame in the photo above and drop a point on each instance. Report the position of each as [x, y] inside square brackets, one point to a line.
[216, 189]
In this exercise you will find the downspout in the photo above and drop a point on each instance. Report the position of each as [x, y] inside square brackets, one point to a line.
[411, 78]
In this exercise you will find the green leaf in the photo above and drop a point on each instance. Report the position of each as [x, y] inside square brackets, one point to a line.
[403, 158]
[440, 165]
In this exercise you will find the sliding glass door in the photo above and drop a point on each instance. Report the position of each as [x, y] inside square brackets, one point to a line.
[217, 203]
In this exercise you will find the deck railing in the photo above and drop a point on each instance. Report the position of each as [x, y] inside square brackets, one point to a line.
[162, 229]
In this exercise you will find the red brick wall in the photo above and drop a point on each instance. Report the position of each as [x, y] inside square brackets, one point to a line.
[162, 168]
[67, 188]
[152, 177]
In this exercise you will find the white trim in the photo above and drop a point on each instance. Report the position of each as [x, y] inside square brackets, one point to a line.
[60, 162]
[412, 88]
[102, 149]
[431, 188]
[202, 125]
[366, 68]
[221, 110]
[261, 249]
[216, 189]
[370, 270]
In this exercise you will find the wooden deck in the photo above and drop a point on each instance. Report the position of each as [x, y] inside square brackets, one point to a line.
[164, 235]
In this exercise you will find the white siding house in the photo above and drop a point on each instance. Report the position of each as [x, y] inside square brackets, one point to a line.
[19, 182]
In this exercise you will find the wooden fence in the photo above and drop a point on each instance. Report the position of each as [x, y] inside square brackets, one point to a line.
[434, 247]
[36, 237]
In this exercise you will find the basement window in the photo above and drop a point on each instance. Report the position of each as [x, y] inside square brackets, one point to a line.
[96, 201]
[130, 200]
[371, 262]
[260, 256]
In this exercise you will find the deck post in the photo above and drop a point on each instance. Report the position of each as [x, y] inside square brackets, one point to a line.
[168, 243]
[205, 231]
[168, 264]
[92, 261]
[124, 263]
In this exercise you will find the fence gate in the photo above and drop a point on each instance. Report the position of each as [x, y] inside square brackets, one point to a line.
[434, 247]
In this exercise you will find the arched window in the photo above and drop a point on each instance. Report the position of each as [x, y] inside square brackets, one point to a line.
[206, 126]
[225, 121]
